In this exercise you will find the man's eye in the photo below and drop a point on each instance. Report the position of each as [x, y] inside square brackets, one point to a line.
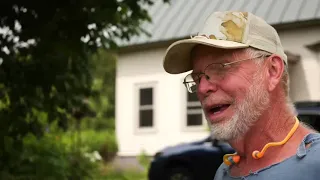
[195, 77]
[196, 80]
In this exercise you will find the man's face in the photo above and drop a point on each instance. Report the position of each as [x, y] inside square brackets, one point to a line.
[235, 96]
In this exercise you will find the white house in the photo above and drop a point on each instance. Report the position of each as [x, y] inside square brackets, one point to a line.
[153, 108]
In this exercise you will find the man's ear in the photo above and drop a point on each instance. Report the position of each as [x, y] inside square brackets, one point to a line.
[275, 70]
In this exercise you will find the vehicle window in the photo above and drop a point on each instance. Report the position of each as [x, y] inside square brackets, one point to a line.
[312, 120]
[307, 104]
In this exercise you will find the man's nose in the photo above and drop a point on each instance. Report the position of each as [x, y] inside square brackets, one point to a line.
[207, 86]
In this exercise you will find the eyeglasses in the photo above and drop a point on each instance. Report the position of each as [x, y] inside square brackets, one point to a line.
[217, 70]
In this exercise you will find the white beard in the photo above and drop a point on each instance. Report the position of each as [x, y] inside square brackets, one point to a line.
[247, 112]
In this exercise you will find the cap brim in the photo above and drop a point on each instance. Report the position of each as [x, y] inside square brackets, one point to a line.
[177, 58]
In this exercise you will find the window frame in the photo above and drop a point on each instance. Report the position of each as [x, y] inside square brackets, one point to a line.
[138, 107]
[200, 128]
[197, 110]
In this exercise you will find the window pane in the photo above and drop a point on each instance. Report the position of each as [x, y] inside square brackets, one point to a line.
[194, 119]
[146, 118]
[192, 97]
[146, 96]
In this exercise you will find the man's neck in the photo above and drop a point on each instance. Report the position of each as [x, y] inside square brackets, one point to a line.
[271, 127]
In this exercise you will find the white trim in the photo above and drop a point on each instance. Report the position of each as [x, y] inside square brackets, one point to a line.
[193, 104]
[195, 111]
[146, 107]
[137, 107]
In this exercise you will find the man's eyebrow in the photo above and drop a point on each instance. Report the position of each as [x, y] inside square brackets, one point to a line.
[223, 59]
[235, 56]
[227, 58]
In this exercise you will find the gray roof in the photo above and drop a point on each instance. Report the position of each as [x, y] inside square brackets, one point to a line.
[182, 18]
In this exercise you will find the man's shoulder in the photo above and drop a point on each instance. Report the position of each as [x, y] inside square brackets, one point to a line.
[309, 149]
[220, 172]
[310, 143]
[305, 160]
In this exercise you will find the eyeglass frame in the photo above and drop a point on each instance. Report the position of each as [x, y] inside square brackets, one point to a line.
[222, 64]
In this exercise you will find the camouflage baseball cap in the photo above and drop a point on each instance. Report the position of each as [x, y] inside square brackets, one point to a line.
[226, 30]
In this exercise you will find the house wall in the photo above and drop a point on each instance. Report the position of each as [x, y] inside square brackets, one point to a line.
[305, 74]
[144, 68]
[140, 69]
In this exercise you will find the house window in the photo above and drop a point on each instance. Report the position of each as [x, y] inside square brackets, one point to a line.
[194, 111]
[146, 107]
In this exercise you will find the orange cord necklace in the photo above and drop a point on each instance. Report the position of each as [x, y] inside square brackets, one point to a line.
[230, 159]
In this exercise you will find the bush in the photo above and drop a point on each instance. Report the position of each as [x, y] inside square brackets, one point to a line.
[48, 158]
[65, 156]
[103, 142]
[144, 161]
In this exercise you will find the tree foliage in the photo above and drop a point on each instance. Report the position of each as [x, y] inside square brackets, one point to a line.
[44, 71]
[103, 71]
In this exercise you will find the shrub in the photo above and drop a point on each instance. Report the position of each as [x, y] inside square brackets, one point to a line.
[144, 160]
[48, 158]
[103, 142]
[64, 156]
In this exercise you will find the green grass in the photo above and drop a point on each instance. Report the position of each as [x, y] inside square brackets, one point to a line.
[124, 176]
[109, 173]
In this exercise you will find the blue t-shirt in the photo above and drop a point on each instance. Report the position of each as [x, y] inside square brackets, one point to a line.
[304, 165]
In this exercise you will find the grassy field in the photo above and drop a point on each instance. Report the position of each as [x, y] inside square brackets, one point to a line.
[109, 173]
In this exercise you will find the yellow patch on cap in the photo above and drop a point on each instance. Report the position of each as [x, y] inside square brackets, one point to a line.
[228, 26]
[233, 25]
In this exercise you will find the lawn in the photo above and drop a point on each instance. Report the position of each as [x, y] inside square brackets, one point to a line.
[109, 173]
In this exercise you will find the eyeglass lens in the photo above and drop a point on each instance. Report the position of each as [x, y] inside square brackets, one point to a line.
[213, 72]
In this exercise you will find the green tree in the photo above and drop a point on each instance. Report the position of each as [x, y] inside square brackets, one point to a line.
[44, 50]
[103, 70]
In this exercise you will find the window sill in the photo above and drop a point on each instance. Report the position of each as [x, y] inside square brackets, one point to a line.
[200, 128]
[145, 130]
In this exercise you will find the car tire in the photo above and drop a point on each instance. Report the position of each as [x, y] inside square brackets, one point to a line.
[179, 173]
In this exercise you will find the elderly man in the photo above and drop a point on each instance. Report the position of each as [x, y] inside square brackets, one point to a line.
[240, 75]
